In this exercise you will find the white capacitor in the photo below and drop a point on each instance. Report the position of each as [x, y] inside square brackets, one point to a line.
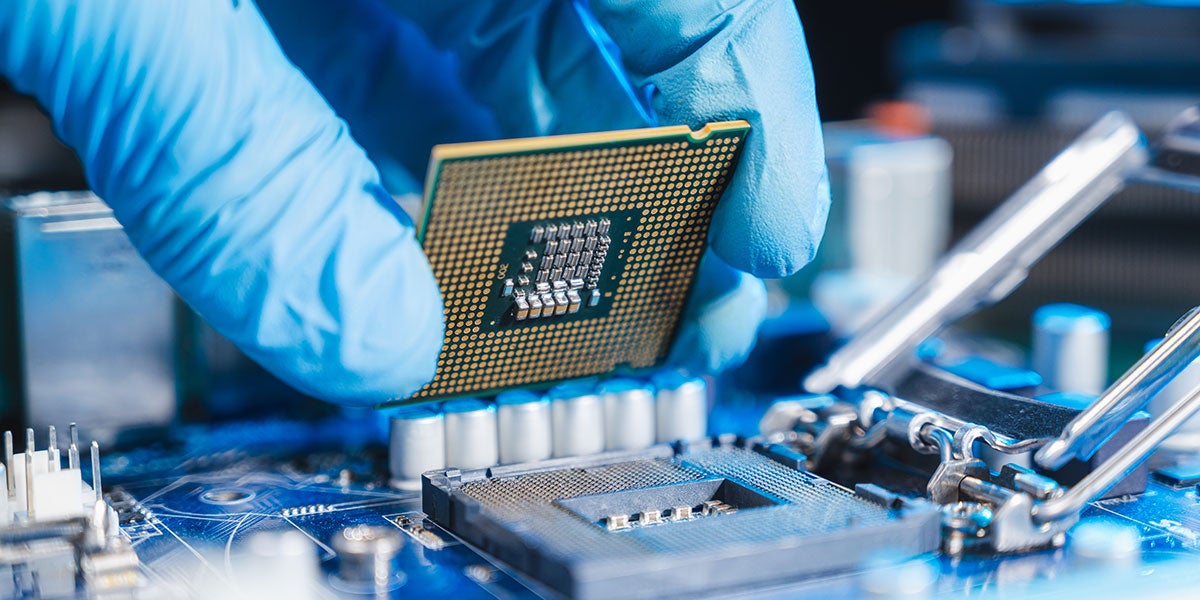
[1070, 347]
[893, 574]
[1105, 544]
[269, 564]
[898, 202]
[628, 414]
[525, 427]
[416, 443]
[471, 441]
[1187, 437]
[577, 415]
[681, 407]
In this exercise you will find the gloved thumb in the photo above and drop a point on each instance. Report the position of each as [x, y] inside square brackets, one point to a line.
[238, 184]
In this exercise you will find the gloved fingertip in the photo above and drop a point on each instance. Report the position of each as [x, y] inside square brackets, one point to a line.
[771, 238]
[377, 372]
[373, 331]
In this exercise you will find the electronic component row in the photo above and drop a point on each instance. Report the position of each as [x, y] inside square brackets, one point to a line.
[566, 231]
[572, 419]
[549, 300]
[647, 518]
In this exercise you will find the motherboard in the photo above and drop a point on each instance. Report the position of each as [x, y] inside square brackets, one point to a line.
[257, 509]
[556, 454]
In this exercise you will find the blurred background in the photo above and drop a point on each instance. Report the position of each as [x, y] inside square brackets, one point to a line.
[1006, 85]
[935, 111]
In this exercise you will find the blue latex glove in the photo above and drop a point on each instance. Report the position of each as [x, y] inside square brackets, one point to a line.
[237, 178]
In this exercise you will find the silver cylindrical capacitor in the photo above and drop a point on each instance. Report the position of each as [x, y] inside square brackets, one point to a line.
[628, 414]
[471, 437]
[367, 559]
[416, 443]
[1070, 347]
[577, 414]
[259, 560]
[681, 407]
[1187, 437]
[525, 427]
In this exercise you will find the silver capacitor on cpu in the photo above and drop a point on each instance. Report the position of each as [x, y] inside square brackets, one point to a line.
[628, 414]
[525, 426]
[471, 436]
[1070, 347]
[577, 419]
[416, 443]
[681, 407]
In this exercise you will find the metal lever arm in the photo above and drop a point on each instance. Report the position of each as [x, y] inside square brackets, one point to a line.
[993, 259]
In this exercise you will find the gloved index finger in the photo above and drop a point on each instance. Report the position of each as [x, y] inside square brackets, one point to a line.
[706, 61]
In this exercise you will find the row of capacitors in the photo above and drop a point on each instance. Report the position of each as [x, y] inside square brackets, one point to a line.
[571, 250]
[548, 300]
[572, 419]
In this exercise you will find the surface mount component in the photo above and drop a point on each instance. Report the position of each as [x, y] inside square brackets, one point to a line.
[568, 256]
[471, 435]
[416, 443]
[577, 416]
[524, 424]
[365, 559]
[658, 523]
[1070, 347]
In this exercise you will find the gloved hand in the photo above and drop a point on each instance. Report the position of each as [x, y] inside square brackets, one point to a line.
[236, 177]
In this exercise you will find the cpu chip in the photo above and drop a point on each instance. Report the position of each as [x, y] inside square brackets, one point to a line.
[568, 256]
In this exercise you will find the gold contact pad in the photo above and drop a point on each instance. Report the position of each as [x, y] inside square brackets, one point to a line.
[672, 176]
